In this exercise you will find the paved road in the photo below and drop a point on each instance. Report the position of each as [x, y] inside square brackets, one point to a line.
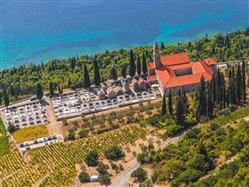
[122, 179]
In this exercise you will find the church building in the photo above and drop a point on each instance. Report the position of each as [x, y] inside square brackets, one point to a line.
[176, 72]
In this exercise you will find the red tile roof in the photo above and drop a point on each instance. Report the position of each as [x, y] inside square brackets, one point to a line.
[175, 59]
[151, 65]
[210, 61]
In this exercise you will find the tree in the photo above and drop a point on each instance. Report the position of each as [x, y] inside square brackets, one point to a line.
[114, 153]
[162, 46]
[104, 179]
[96, 74]
[123, 71]
[180, 110]
[170, 103]
[92, 158]
[138, 65]
[39, 91]
[247, 31]
[51, 89]
[6, 98]
[71, 134]
[102, 168]
[84, 177]
[238, 84]
[132, 67]
[113, 73]
[144, 65]
[202, 102]
[164, 111]
[244, 81]
[86, 80]
[139, 174]
[210, 104]
[12, 128]
[0, 98]
[83, 133]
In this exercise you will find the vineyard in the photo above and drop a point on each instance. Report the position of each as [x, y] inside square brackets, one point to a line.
[4, 141]
[48, 164]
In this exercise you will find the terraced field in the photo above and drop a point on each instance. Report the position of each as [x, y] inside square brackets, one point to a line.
[47, 164]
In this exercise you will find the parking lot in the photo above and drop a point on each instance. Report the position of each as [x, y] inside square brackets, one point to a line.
[25, 115]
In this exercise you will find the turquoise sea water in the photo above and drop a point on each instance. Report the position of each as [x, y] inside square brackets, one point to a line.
[33, 31]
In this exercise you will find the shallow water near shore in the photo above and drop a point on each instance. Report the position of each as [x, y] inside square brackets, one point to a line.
[36, 31]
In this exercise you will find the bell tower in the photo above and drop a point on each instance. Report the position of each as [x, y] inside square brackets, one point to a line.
[156, 56]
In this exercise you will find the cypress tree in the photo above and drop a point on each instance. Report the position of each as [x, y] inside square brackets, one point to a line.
[132, 70]
[202, 102]
[123, 71]
[180, 110]
[210, 105]
[138, 66]
[162, 46]
[0, 98]
[86, 80]
[164, 105]
[6, 98]
[39, 91]
[144, 65]
[113, 73]
[170, 103]
[51, 89]
[243, 81]
[238, 84]
[96, 74]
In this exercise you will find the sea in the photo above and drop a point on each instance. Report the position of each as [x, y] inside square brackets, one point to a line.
[35, 31]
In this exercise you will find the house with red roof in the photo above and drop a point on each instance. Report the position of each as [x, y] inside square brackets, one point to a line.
[176, 71]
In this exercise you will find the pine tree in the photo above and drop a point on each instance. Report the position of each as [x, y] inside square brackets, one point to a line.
[170, 103]
[123, 71]
[180, 110]
[39, 91]
[96, 74]
[164, 111]
[144, 65]
[244, 81]
[113, 73]
[132, 70]
[51, 88]
[86, 80]
[138, 66]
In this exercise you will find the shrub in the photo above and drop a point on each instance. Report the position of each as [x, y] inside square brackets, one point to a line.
[140, 174]
[114, 153]
[92, 158]
[12, 128]
[84, 177]
[83, 133]
[104, 179]
[71, 134]
[102, 168]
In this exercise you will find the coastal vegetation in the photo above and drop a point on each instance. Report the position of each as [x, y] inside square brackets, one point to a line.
[82, 71]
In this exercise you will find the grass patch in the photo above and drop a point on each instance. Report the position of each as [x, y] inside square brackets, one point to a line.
[30, 133]
[4, 140]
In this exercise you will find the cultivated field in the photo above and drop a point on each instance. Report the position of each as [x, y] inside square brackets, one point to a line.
[30, 133]
[54, 165]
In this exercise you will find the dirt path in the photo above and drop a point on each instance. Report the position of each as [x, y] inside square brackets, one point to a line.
[54, 127]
